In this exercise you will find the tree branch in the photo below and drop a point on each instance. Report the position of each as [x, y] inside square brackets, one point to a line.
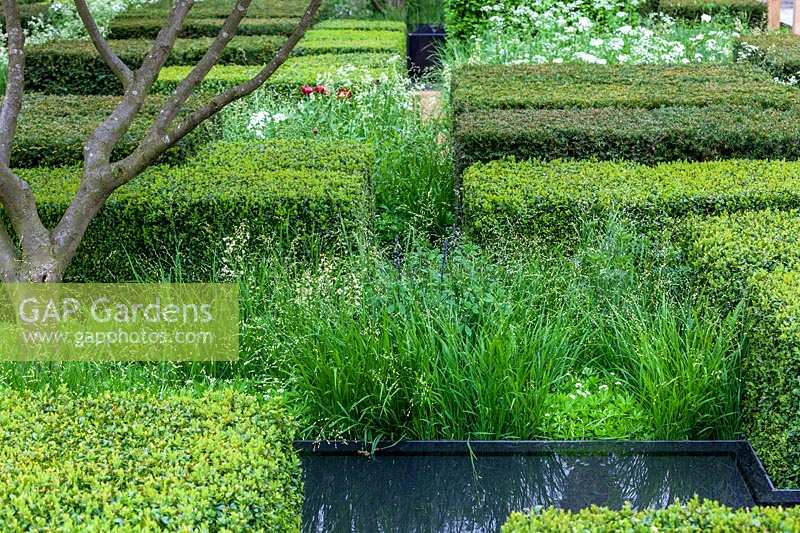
[244, 89]
[8, 257]
[116, 65]
[100, 178]
[147, 152]
[184, 90]
[12, 102]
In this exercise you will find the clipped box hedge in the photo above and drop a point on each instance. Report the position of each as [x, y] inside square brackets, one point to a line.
[755, 257]
[694, 516]
[148, 28]
[727, 250]
[567, 86]
[771, 374]
[222, 8]
[288, 79]
[53, 129]
[131, 461]
[548, 200]
[753, 12]
[361, 25]
[642, 135]
[304, 193]
[344, 41]
[777, 52]
[75, 67]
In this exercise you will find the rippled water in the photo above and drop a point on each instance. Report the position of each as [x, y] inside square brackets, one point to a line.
[462, 494]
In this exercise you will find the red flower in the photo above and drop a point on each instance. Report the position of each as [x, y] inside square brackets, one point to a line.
[344, 93]
[320, 89]
[306, 90]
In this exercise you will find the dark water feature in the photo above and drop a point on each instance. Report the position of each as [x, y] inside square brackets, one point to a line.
[467, 493]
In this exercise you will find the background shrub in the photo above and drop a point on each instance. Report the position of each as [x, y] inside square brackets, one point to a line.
[53, 129]
[694, 516]
[232, 195]
[643, 135]
[778, 53]
[752, 12]
[131, 461]
[546, 199]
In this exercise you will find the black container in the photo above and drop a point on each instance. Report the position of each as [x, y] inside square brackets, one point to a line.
[423, 48]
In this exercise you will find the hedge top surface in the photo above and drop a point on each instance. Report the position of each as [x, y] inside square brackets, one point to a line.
[694, 516]
[295, 72]
[359, 24]
[217, 461]
[348, 40]
[248, 172]
[222, 8]
[553, 86]
[607, 182]
[727, 250]
[779, 52]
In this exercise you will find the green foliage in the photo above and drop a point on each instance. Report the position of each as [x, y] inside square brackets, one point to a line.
[464, 17]
[753, 256]
[777, 52]
[361, 25]
[287, 80]
[344, 41]
[472, 343]
[727, 250]
[694, 516]
[53, 129]
[771, 410]
[753, 12]
[221, 9]
[27, 13]
[545, 199]
[148, 28]
[642, 135]
[71, 67]
[304, 194]
[568, 86]
[130, 461]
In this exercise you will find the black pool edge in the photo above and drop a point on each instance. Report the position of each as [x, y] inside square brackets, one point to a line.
[753, 472]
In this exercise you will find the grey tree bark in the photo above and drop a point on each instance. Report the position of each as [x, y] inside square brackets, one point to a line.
[39, 254]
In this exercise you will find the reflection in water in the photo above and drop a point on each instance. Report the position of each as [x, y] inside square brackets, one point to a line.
[456, 494]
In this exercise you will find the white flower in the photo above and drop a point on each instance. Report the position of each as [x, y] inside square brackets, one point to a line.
[596, 42]
[625, 30]
[279, 117]
[705, 18]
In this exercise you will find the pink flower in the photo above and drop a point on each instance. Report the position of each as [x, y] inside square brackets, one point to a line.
[344, 93]
[320, 89]
[307, 90]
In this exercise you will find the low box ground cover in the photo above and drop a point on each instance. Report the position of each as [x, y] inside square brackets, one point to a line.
[643, 135]
[694, 516]
[53, 129]
[297, 71]
[148, 28]
[301, 193]
[777, 52]
[570, 86]
[133, 461]
[545, 200]
[752, 11]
